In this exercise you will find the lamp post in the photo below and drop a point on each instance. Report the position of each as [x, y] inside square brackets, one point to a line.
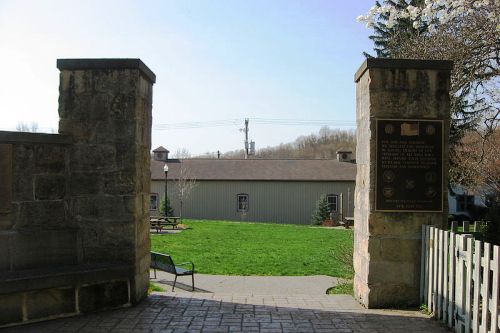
[165, 169]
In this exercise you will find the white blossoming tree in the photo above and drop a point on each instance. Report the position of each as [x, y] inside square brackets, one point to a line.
[467, 32]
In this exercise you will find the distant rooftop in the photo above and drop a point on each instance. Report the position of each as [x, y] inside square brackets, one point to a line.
[258, 169]
[161, 149]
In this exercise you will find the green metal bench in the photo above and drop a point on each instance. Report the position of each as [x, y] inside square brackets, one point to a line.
[165, 263]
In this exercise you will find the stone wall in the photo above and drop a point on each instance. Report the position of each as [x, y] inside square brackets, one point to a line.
[74, 206]
[387, 244]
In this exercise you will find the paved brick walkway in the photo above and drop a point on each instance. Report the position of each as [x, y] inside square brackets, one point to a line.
[170, 312]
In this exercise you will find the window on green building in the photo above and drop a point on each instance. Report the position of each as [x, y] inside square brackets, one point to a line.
[242, 202]
[332, 202]
[154, 202]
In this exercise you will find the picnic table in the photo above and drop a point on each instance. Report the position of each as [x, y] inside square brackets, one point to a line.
[160, 222]
[348, 222]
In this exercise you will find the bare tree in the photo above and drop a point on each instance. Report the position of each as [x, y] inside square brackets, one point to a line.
[184, 185]
[182, 153]
[479, 156]
[25, 127]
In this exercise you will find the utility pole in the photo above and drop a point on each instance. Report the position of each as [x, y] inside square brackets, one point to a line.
[246, 138]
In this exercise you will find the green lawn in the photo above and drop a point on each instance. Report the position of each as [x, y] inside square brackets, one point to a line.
[234, 248]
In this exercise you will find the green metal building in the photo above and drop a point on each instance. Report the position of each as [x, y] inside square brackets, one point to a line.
[257, 190]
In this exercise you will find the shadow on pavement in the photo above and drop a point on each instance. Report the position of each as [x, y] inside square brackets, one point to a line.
[216, 313]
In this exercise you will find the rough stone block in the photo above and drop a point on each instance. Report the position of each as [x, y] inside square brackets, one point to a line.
[122, 132]
[51, 302]
[104, 295]
[103, 207]
[87, 157]
[391, 273]
[11, 308]
[40, 215]
[125, 158]
[44, 249]
[85, 183]
[22, 172]
[50, 186]
[139, 286]
[5, 178]
[6, 222]
[119, 183]
[5, 251]
[399, 249]
[50, 157]
[386, 296]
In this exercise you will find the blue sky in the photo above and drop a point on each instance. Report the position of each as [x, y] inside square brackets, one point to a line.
[214, 60]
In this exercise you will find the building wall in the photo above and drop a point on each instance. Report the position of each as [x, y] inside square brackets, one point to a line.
[269, 201]
[478, 199]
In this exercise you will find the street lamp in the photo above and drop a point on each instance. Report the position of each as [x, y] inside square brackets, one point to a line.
[165, 169]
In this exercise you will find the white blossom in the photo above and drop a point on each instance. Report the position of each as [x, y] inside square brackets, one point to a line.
[432, 13]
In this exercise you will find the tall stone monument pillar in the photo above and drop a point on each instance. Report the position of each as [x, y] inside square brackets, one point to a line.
[402, 112]
[105, 105]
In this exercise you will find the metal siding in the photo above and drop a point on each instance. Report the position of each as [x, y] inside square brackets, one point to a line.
[275, 202]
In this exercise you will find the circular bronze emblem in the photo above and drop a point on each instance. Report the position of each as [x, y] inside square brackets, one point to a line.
[430, 130]
[430, 192]
[409, 184]
[388, 176]
[388, 191]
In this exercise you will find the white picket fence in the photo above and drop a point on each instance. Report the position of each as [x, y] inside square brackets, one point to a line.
[459, 280]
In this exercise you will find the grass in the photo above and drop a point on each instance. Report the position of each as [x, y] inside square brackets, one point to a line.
[153, 287]
[345, 288]
[234, 248]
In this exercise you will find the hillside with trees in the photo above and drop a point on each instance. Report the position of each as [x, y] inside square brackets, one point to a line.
[323, 144]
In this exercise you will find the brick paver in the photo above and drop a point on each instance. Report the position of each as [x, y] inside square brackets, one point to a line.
[197, 312]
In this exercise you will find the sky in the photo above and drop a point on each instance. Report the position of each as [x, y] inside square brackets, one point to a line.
[217, 62]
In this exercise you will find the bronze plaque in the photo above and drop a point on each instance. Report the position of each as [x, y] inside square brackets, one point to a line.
[409, 168]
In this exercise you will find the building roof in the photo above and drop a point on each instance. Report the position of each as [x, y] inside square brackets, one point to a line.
[160, 149]
[258, 169]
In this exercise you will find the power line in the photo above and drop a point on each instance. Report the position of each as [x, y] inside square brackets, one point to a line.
[261, 121]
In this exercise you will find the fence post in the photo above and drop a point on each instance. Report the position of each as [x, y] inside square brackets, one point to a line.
[446, 249]
[435, 278]
[459, 284]
[468, 283]
[454, 226]
[423, 264]
[466, 226]
[439, 294]
[427, 259]
[430, 274]
[476, 275]
[494, 289]
[451, 286]
[485, 288]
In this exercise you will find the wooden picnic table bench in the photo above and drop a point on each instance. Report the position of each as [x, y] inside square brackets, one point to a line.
[159, 223]
[165, 263]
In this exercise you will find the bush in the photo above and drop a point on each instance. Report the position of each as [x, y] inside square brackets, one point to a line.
[322, 211]
[491, 232]
[170, 210]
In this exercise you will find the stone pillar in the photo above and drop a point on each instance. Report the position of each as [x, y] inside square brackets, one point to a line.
[402, 112]
[105, 105]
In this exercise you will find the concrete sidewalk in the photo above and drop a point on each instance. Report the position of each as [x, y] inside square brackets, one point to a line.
[248, 285]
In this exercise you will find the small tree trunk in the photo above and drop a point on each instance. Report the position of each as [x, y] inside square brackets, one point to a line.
[180, 210]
